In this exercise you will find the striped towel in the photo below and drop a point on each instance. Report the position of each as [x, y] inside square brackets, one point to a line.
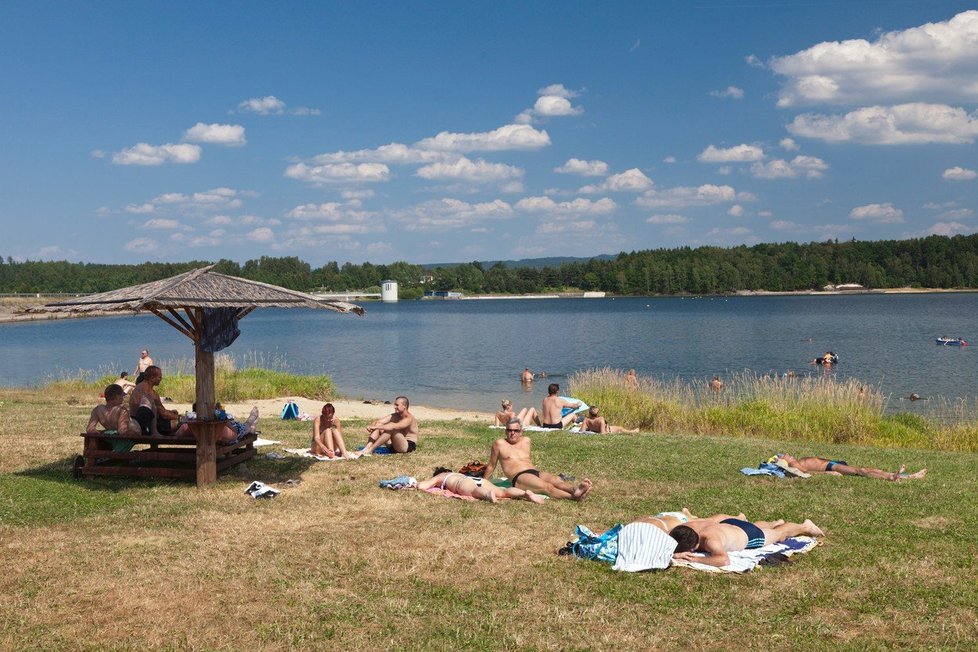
[642, 547]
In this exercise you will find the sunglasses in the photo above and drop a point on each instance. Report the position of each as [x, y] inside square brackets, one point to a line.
[514, 430]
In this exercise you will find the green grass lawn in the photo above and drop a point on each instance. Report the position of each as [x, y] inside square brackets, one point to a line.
[337, 563]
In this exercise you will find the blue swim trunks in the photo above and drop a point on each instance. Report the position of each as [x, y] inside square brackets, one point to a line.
[755, 537]
[829, 465]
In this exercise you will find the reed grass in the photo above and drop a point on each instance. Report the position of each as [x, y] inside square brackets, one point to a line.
[257, 378]
[820, 409]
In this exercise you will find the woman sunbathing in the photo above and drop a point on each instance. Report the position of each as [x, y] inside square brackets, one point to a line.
[464, 485]
[327, 434]
[527, 415]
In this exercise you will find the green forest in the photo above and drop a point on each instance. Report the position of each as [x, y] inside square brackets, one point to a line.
[931, 262]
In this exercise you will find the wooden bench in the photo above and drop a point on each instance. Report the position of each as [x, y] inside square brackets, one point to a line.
[161, 457]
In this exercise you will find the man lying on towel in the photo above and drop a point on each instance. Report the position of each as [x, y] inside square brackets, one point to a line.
[513, 454]
[841, 467]
[716, 539]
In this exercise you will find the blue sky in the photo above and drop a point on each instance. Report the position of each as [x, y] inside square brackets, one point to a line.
[451, 131]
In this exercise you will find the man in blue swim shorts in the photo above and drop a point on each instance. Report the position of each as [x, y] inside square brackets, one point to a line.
[716, 539]
[841, 467]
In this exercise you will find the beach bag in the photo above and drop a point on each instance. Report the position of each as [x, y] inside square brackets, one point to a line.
[473, 469]
[290, 410]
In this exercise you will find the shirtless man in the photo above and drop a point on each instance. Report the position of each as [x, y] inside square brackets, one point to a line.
[526, 376]
[513, 454]
[840, 467]
[114, 415]
[399, 430]
[717, 538]
[144, 363]
[124, 382]
[594, 422]
[527, 415]
[480, 488]
[716, 384]
[147, 408]
[551, 414]
[631, 379]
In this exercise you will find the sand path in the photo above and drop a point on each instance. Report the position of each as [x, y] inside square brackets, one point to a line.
[345, 409]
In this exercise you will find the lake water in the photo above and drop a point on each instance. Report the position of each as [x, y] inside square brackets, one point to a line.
[468, 354]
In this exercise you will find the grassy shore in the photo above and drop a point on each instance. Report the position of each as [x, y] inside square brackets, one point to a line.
[821, 410]
[336, 563]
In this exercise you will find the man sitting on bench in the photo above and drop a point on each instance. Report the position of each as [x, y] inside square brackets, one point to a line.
[147, 408]
[113, 417]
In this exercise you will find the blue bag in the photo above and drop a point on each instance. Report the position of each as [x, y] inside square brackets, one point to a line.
[290, 410]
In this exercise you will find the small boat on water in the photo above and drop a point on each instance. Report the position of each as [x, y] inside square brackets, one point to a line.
[950, 341]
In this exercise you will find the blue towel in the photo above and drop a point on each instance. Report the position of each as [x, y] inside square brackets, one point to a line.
[400, 482]
[380, 450]
[764, 468]
[603, 547]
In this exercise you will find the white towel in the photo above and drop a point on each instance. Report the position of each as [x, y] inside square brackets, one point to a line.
[742, 561]
[304, 452]
[265, 442]
[642, 547]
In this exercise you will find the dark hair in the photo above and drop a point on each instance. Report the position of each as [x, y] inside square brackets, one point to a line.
[439, 470]
[407, 403]
[553, 388]
[112, 391]
[686, 538]
[123, 374]
[152, 369]
[325, 421]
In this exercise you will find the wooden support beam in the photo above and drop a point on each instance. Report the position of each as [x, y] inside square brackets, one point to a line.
[180, 319]
[174, 324]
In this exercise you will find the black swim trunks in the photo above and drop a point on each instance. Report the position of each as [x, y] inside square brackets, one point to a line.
[144, 417]
[411, 446]
[755, 537]
[829, 465]
[555, 426]
[530, 471]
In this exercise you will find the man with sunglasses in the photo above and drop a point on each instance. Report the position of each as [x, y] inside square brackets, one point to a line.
[512, 453]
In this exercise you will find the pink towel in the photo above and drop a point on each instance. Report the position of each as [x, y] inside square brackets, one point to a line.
[448, 494]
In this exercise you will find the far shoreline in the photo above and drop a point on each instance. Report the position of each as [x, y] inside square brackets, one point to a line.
[11, 308]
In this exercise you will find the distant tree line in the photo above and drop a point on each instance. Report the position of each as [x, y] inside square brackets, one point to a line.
[934, 261]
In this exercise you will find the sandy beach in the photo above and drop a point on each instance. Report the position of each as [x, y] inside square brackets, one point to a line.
[345, 409]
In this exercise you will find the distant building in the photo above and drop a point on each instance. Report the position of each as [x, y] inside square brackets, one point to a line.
[442, 294]
[388, 291]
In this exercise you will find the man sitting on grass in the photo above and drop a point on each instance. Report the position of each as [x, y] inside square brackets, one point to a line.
[594, 422]
[513, 454]
[399, 430]
[840, 467]
[716, 539]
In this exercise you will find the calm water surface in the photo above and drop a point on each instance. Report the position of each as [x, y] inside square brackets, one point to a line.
[468, 354]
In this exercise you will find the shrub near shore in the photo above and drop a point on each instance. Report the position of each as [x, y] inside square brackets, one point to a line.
[819, 409]
[231, 384]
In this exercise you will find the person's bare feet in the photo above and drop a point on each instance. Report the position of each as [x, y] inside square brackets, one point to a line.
[582, 489]
[534, 498]
[493, 498]
[918, 475]
[811, 529]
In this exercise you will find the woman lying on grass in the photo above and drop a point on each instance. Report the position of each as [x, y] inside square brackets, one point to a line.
[480, 488]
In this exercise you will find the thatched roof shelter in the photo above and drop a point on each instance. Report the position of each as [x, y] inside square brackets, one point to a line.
[195, 293]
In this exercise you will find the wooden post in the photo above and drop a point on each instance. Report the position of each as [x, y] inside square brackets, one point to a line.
[205, 432]
[205, 429]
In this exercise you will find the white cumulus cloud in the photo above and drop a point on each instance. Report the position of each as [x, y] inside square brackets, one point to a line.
[810, 167]
[267, 105]
[904, 124]
[736, 154]
[707, 194]
[730, 91]
[584, 168]
[958, 173]
[338, 173]
[736, 211]
[880, 213]
[463, 169]
[216, 134]
[162, 223]
[948, 229]
[633, 180]
[553, 101]
[261, 234]
[141, 245]
[450, 213]
[670, 218]
[934, 60]
[146, 154]
[789, 145]
[507, 137]
[579, 206]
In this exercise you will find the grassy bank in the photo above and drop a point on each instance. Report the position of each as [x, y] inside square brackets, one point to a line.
[804, 409]
[336, 563]
[258, 379]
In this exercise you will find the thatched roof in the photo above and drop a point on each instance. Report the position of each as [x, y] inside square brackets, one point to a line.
[198, 288]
